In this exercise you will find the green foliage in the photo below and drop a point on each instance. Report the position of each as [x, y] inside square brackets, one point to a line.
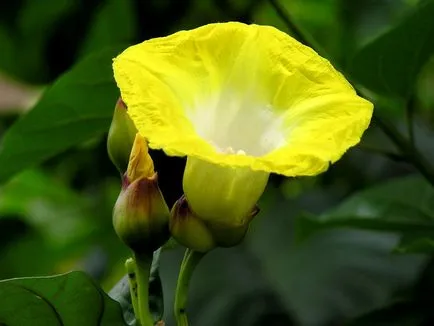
[113, 23]
[56, 300]
[76, 108]
[349, 247]
[41, 201]
[389, 207]
[334, 273]
[57, 32]
[33, 28]
[46, 227]
[390, 64]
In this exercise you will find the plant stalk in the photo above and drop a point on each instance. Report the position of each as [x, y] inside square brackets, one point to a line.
[143, 266]
[130, 266]
[189, 263]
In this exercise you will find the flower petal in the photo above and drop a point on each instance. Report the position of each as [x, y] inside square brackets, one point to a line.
[249, 88]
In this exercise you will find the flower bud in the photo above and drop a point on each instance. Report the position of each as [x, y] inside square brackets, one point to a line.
[140, 215]
[189, 230]
[222, 194]
[120, 137]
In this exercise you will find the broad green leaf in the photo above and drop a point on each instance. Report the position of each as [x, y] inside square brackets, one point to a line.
[17, 312]
[406, 199]
[121, 293]
[412, 308]
[65, 300]
[423, 243]
[390, 64]
[404, 206]
[334, 274]
[76, 108]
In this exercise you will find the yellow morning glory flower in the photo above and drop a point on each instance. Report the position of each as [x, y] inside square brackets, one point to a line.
[241, 102]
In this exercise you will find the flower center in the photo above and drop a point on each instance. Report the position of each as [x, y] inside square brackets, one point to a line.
[238, 124]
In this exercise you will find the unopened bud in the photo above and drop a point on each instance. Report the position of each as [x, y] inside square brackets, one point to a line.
[120, 137]
[189, 230]
[140, 215]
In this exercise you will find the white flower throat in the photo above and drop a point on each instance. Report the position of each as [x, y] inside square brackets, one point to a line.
[236, 124]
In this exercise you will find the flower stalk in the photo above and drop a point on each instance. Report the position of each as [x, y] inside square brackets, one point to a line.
[130, 266]
[188, 265]
[143, 266]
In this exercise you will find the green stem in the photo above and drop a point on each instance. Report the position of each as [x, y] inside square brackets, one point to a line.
[130, 266]
[392, 155]
[412, 153]
[143, 266]
[411, 110]
[189, 263]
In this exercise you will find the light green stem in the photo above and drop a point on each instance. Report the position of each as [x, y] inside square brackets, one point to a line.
[189, 263]
[143, 266]
[130, 266]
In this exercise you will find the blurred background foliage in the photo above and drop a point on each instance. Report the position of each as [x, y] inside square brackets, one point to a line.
[352, 247]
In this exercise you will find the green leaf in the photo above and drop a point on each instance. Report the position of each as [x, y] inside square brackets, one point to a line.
[391, 63]
[335, 273]
[121, 293]
[406, 200]
[404, 206]
[413, 307]
[17, 312]
[76, 108]
[65, 300]
[416, 243]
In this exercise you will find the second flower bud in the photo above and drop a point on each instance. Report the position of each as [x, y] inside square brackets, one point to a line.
[201, 235]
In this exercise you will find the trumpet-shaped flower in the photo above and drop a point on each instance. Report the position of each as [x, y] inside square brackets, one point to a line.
[240, 101]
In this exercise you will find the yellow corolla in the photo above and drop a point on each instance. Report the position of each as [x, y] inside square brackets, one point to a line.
[240, 101]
